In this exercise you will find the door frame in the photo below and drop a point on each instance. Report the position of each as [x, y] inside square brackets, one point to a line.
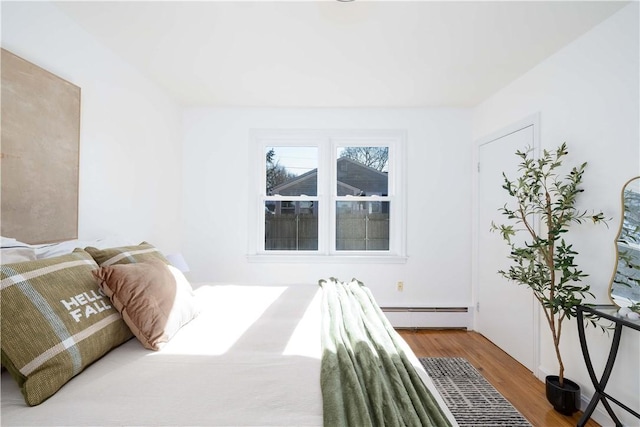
[530, 121]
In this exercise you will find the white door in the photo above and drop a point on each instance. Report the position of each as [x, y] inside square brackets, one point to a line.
[505, 310]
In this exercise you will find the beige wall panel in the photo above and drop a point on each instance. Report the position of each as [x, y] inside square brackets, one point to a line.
[40, 153]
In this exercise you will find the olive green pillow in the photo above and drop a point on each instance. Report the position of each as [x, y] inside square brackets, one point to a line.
[55, 322]
[126, 254]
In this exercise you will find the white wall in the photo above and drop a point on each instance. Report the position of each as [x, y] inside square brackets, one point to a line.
[587, 95]
[133, 167]
[130, 139]
[216, 162]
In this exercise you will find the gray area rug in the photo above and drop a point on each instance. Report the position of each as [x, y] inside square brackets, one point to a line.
[472, 400]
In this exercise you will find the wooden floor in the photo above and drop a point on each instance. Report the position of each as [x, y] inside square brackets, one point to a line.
[515, 382]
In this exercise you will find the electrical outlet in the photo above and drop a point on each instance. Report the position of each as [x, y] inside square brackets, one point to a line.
[400, 286]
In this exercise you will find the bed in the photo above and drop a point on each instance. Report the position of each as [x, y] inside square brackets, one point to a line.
[249, 356]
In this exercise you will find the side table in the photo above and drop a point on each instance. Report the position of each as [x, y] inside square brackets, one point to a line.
[608, 312]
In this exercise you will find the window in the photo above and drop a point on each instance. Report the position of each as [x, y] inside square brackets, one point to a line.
[328, 193]
[290, 198]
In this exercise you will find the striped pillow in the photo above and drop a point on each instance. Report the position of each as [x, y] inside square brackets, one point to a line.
[55, 322]
[126, 254]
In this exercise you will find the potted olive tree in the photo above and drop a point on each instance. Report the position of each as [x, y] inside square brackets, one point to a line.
[541, 210]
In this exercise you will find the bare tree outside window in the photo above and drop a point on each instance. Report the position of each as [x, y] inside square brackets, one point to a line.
[373, 157]
[276, 173]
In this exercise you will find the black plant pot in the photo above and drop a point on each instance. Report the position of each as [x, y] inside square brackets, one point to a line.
[565, 399]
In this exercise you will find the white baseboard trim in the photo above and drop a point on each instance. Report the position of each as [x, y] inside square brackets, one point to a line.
[430, 317]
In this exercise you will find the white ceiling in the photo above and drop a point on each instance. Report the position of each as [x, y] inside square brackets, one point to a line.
[336, 54]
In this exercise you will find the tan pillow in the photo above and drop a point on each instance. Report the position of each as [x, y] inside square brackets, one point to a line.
[155, 299]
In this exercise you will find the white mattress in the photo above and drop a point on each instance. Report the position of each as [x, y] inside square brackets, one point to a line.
[251, 358]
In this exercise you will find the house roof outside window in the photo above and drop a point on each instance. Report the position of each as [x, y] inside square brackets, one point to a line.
[354, 178]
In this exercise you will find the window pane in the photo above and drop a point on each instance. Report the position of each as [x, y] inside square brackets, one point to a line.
[362, 171]
[292, 171]
[291, 225]
[362, 226]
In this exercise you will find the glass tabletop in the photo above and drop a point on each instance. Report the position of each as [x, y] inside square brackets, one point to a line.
[610, 312]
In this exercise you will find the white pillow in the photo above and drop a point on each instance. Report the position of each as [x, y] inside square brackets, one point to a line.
[12, 255]
[66, 247]
[12, 250]
[9, 242]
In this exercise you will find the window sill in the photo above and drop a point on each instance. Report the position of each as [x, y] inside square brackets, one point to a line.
[320, 259]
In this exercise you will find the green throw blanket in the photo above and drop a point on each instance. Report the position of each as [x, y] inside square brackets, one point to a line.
[366, 378]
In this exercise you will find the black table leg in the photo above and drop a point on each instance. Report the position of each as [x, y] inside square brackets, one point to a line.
[599, 385]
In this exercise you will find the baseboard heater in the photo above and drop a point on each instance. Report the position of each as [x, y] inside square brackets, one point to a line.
[430, 317]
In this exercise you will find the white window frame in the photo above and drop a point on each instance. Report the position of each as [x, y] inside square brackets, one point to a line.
[328, 142]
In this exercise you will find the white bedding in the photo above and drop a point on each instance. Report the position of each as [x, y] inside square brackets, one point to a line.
[251, 358]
